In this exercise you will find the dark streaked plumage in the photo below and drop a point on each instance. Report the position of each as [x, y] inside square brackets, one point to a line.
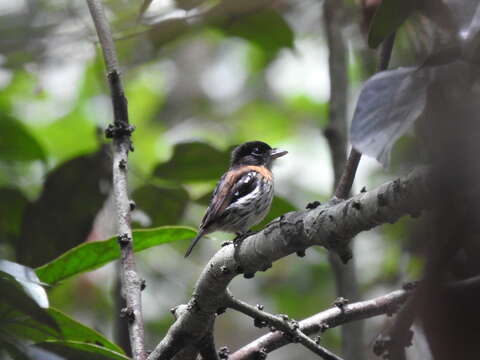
[244, 193]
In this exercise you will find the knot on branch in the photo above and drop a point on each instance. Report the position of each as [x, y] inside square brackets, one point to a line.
[313, 205]
[223, 353]
[261, 354]
[259, 323]
[127, 313]
[340, 302]
[385, 345]
[123, 240]
[301, 253]
[409, 286]
[118, 130]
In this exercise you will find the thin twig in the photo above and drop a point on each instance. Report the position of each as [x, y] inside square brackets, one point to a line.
[281, 323]
[327, 319]
[120, 131]
[346, 181]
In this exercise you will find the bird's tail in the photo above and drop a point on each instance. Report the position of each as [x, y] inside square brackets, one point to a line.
[200, 234]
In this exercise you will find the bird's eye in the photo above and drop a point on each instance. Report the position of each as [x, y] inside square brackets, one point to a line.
[256, 151]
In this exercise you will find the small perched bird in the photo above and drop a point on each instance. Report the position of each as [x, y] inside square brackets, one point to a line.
[244, 193]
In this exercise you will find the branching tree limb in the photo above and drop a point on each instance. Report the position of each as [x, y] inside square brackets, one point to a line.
[330, 318]
[283, 324]
[120, 132]
[330, 225]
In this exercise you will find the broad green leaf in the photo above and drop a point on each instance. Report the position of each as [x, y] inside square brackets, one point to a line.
[68, 329]
[163, 205]
[12, 204]
[266, 29]
[388, 18]
[76, 350]
[28, 279]
[62, 216]
[15, 296]
[61, 138]
[92, 255]
[302, 106]
[193, 161]
[17, 143]
[264, 120]
[145, 88]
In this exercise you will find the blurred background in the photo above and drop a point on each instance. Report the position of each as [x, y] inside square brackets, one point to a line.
[200, 77]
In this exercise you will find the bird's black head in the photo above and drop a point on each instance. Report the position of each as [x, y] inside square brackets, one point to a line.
[255, 153]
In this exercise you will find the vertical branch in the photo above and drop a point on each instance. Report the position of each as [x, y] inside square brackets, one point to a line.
[120, 132]
[336, 134]
[346, 180]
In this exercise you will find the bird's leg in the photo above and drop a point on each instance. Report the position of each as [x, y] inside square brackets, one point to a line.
[239, 238]
[242, 236]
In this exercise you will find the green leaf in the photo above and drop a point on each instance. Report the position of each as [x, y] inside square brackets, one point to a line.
[16, 142]
[26, 277]
[76, 350]
[92, 255]
[14, 296]
[266, 121]
[193, 161]
[62, 216]
[12, 204]
[388, 18]
[69, 329]
[163, 205]
[266, 29]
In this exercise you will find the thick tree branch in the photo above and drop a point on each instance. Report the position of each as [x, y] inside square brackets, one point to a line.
[283, 324]
[330, 225]
[120, 132]
[330, 318]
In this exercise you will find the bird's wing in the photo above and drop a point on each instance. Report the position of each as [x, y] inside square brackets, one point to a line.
[232, 186]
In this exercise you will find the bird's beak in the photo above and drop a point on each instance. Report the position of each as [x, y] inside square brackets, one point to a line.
[276, 153]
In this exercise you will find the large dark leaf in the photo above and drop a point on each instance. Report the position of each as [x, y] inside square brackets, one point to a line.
[95, 254]
[16, 143]
[62, 216]
[165, 206]
[69, 329]
[26, 277]
[76, 350]
[14, 296]
[193, 161]
[266, 28]
[12, 205]
[388, 105]
[389, 16]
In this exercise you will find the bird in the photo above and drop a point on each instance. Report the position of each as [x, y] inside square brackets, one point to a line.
[243, 194]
